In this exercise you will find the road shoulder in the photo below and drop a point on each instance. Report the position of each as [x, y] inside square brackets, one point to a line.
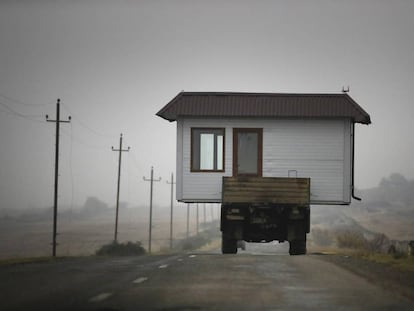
[382, 274]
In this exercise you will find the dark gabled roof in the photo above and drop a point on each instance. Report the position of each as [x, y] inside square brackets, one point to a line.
[228, 104]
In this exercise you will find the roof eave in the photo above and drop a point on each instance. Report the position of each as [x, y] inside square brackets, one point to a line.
[162, 113]
[171, 118]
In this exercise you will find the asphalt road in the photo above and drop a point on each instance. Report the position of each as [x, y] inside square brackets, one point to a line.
[258, 279]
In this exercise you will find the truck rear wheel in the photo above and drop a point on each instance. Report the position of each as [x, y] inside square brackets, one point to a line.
[228, 245]
[297, 247]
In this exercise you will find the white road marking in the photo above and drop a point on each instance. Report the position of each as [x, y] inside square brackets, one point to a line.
[192, 256]
[163, 266]
[140, 280]
[100, 297]
[179, 259]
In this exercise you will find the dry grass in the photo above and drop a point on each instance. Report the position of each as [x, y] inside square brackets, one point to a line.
[14, 261]
[213, 245]
[403, 263]
[28, 239]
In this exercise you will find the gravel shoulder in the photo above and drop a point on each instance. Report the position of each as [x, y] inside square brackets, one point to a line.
[386, 275]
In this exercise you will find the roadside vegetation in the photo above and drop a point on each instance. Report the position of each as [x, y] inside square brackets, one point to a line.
[208, 234]
[27, 260]
[373, 256]
[121, 249]
[370, 246]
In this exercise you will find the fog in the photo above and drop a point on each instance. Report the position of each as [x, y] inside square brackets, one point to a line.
[115, 64]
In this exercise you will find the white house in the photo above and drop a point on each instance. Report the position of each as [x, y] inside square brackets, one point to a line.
[264, 134]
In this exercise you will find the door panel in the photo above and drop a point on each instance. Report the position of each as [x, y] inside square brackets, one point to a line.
[247, 152]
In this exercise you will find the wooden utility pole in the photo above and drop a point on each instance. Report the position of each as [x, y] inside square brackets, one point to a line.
[120, 150]
[150, 220]
[197, 219]
[172, 203]
[188, 220]
[55, 203]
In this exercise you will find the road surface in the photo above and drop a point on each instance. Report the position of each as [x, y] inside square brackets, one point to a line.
[257, 279]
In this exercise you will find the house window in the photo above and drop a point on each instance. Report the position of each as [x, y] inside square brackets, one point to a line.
[207, 150]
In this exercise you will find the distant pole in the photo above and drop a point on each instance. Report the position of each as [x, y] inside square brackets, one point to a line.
[55, 201]
[197, 220]
[171, 217]
[119, 183]
[150, 220]
[188, 220]
[218, 211]
[211, 212]
[204, 211]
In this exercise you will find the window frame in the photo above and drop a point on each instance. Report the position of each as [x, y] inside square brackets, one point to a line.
[207, 130]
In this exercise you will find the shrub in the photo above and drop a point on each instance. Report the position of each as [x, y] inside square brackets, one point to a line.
[378, 243]
[351, 239]
[322, 237]
[197, 241]
[119, 249]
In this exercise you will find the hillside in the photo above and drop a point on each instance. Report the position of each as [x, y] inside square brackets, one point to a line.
[385, 216]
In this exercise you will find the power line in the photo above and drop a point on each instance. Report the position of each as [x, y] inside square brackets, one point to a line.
[134, 159]
[82, 142]
[16, 101]
[10, 111]
[83, 124]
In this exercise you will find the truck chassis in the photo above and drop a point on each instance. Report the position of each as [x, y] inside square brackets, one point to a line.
[265, 209]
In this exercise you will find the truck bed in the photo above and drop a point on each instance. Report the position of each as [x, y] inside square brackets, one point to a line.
[266, 190]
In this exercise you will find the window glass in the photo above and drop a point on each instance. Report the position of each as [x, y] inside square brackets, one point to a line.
[206, 151]
[219, 152]
[207, 147]
[247, 153]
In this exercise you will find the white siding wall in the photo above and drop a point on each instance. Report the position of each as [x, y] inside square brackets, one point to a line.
[319, 149]
[179, 164]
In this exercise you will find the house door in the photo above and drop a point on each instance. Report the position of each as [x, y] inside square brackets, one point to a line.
[247, 152]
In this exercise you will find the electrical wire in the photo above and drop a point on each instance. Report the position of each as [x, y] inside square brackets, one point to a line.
[80, 141]
[134, 159]
[16, 101]
[10, 111]
[83, 124]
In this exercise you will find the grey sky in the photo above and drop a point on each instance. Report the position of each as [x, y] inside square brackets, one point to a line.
[114, 64]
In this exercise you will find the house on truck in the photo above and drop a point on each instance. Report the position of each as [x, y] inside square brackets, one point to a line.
[264, 155]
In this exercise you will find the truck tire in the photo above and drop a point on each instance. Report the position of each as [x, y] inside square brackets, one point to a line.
[241, 244]
[297, 247]
[228, 245]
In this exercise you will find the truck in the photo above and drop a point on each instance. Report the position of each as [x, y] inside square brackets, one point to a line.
[264, 209]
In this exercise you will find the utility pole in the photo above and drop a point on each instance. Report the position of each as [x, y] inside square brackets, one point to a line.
[150, 221]
[204, 210]
[219, 213]
[211, 212]
[120, 150]
[55, 203]
[171, 218]
[197, 220]
[188, 220]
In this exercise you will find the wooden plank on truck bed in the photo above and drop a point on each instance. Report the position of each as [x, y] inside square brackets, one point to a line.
[275, 190]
